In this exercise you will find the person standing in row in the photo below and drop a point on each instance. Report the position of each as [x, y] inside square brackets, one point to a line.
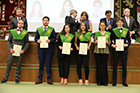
[130, 23]
[84, 18]
[45, 54]
[101, 56]
[64, 59]
[83, 36]
[17, 36]
[120, 33]
[74, 25]
[14, 21]
[110, 22]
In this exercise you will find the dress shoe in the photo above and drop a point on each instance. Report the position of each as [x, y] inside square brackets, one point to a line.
[16, 81]
[114, 84]
[64, 83]
[38, 82]
[50, 82]
[124, 84]
[4, 80]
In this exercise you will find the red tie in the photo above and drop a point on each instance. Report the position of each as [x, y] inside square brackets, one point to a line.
[19, 30]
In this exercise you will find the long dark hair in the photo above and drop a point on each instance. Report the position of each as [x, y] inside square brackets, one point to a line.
[80, 30]
[63, 30]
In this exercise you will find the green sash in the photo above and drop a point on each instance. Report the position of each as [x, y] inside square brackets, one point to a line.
[120, 34]
[84, 37]
[47, 33]
[66, 39]
[107, 34]
[18, 36]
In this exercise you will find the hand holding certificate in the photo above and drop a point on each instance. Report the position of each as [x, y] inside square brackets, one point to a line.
[43, 43]
[17, 49]
[66, 48]
[120, 45]
[101, 42]
[83, 48]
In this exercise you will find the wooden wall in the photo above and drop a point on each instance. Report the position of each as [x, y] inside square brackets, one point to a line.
[29, 71]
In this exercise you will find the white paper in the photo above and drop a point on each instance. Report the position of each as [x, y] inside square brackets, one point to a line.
[101, 42]
[83, 48]
[66, 48]
[17, 49]
[120, 43]
[43, 43]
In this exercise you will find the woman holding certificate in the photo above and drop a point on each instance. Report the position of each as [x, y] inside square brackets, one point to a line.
[120, 41]
[82, 44]
[101, 50]
[65, 46]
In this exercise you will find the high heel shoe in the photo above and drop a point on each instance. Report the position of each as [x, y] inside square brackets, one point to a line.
[86, 82]
[62, 81]
[65, 81]
[80, 82]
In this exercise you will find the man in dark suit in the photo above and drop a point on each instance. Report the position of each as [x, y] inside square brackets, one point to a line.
[74, 25]
[110, 22]
[130, 23]
[45, 54]
[15, 20]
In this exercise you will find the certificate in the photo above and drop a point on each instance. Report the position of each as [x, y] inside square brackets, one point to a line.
[101, 42]
[17, 49]
[83, 48]
[66, 48]
[120, 43]
[43, 43]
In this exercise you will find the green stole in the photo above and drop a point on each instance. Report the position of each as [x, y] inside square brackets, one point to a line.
[66, 39]
[43, 33]
[83, 37]
[18, 36]
[120, 34]
[107, 34]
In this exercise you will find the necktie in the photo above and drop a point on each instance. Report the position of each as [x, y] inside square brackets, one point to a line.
[108, 23]
[74, 19]
[19, 30]
[45, 29]
[120, 29]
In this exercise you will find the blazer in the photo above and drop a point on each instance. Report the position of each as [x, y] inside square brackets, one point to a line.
[112, 22]
[13, 24]
[74, 26]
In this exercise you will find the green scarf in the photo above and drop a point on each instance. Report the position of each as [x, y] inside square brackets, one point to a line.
[47, 33]
[18, 36]
[107, 34]
[84, 37]
[66, 39]
[120, 34]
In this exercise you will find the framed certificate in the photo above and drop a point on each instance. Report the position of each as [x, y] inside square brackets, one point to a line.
[66, 48]
[101, 42]
[17, 49]
[120, 43]
[83, 48]
[43, 43]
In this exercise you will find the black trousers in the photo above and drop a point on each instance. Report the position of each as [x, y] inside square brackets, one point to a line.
[83, 59]
[124, 64]
[101, 68]
[64, 66]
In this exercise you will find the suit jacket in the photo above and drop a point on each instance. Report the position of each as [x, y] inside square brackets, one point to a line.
[112, 22]
[24, 42]
[132, 26]
[74, 26]
[14, 22]
[127, 39]
[52, 40]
